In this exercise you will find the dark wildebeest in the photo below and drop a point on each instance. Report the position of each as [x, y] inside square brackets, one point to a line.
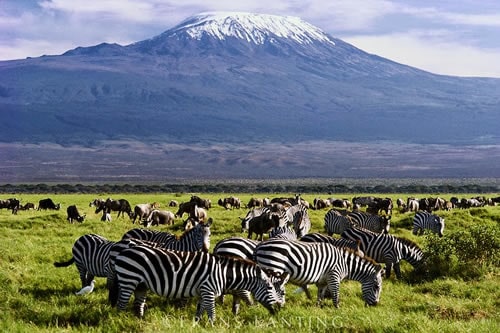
[48, 204]
[203, 203]
[173, 203]
[28, 206]
[255, 202]
[73, 214]
[262, 224]
[380, 204]
[121, 206]
[12, 204]
[319, 203]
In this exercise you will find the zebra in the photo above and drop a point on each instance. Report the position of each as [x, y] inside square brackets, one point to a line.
[336, 223]
[240, 248]
[195, 239]
[338, 242]
[284, 232]
[424, 220]
[386, 248]
[371, 222]
[90, 255]
[298, 217]
[322, 264]
[177, 274]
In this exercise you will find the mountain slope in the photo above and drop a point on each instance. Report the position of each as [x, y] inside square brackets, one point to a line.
[239, 77]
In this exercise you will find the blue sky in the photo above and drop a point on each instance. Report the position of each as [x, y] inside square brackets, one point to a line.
[455, 37]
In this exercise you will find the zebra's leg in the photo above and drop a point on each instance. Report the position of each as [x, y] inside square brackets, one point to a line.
[140, 300]
[388, 268]
[306, 290]
[238, 296]
[206, 303]
[397, 270]
[333, 284]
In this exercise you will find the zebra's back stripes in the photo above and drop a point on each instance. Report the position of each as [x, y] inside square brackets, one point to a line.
[425, 220]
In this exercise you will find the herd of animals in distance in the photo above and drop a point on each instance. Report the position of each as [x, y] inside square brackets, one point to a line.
[178, 267]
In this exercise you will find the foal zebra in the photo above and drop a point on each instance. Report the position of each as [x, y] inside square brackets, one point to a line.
[386, 249]
[425, 220]
[322, 264]
[90, 255]
[176, 274]
[371, 222]
[195, 239]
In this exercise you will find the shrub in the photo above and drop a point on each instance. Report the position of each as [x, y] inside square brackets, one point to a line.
[468, 254]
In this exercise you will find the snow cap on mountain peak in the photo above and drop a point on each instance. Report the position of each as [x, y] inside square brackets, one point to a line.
[255, 28]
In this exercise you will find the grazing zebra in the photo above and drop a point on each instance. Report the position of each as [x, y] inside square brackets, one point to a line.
[336, 223]
[322, 264]
[316, 237]
[424, 220]
[370, 222]
[298, 217]
[240, 248]
[284, 232]
[177, 274]
[90, 255]
[195, 239]
[385, 248]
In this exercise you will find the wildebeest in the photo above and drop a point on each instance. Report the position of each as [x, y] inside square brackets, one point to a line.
[142, 211]
[28, 206]
[73, 214]
[262, 224]
[319, 203]
[203, 203]
[121, 206]
[255, 202]
[12, 204]
[230, 202]
[48, 204]
[173, 203]
[157, 217]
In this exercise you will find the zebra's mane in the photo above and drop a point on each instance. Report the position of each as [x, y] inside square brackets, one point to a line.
[185, 233]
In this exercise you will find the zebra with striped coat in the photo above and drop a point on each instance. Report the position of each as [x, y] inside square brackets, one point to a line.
[316, 237]
[375, 223]
[322, 264]
[240, 248]
[336, 223]
[425, 220]
[195, 239]
[176, 274]
[90, 255]
[284, 232]
[386, 249]
[298, 218]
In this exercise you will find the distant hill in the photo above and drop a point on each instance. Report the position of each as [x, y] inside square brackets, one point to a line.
[240, 78]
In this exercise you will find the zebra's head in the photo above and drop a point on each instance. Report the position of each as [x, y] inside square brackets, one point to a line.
[372, 287]
[205, 234]
[270, 290]
[439, 225]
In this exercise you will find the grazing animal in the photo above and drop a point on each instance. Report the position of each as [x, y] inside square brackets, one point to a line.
[284, 232]
[230, 203]
[45, 204]
[319, 203]
[299, 219]
[90, 255]
[195, 239]
[157, 217]
[73, 214]
[28, 206]
[338, 242]
[370, 222]
[262, 224]
[336, 223]
[322, 264]
[203, 203]
[173, 203]
[425, 220]
[142, 211]
[13, 204]
[187, 274]
[386, 248]
[255, 202]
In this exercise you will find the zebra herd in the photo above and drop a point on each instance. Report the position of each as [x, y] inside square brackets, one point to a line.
[182, 267]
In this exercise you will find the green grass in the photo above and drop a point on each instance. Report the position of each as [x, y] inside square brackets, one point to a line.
[37, 297]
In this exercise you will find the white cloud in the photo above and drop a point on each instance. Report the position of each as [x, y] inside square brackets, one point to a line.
[435, 55]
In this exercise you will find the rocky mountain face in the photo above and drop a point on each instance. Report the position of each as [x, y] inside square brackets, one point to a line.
[239, 78]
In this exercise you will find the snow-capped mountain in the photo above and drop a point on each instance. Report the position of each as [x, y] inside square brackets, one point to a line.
[234, 77]
[254, 28]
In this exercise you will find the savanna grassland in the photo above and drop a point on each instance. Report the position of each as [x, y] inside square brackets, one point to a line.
[460, 294]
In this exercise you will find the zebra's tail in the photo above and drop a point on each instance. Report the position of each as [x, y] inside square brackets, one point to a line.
[113, 292]
[65, 263]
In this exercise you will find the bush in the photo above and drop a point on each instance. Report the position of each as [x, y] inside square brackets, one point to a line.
[466, 254]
